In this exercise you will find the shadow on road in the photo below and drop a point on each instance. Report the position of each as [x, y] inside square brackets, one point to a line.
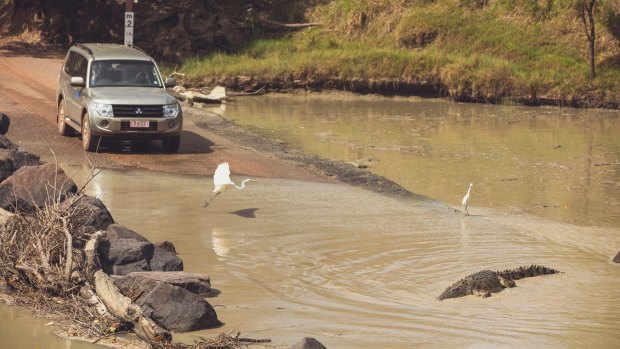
[191, 143]
[23, 49]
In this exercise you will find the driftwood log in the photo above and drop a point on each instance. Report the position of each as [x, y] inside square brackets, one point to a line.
[277, 24]
[90, 250]
[217, 95]
[122, 308]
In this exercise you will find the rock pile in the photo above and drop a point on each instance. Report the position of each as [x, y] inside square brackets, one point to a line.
[171, 297]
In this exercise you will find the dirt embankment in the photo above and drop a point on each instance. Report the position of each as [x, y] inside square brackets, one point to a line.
[424, 86]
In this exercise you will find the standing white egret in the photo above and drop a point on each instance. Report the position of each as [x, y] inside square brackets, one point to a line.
[221, 181]
[465, 202]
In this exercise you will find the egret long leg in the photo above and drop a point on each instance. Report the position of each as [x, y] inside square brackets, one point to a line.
[209, 201]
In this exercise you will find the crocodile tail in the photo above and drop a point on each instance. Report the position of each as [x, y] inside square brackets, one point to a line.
[524, 272]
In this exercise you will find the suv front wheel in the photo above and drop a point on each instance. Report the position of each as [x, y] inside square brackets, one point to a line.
[90, 143]
[63, 128]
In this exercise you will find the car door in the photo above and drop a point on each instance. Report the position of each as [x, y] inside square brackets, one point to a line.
[64, 81]
[73, 94]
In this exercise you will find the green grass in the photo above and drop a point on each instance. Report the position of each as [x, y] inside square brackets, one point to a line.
[272, 58]
[504, 50]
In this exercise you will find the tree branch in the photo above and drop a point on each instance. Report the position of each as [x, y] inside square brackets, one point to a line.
[277, 24]
[69, 254]
[33, 271]
[122, 308]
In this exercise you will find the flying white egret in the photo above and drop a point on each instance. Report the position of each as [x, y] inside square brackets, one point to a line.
[221, 181]
[465, 202]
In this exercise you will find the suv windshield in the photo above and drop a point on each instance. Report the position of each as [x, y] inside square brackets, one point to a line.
[123, 73]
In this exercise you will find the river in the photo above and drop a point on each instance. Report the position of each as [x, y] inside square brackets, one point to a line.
[557, 163]
[356, 269]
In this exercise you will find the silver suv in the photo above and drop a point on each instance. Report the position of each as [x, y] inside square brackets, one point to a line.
[108, 90]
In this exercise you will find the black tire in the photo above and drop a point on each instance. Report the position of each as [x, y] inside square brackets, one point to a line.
[171, 144]
[90, 143]
[63, 128]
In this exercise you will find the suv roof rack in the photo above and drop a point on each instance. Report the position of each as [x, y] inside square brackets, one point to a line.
[139, 49]
[86, 48]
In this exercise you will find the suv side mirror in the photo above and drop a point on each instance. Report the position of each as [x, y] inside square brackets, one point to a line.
[77, 81]
[170, 82]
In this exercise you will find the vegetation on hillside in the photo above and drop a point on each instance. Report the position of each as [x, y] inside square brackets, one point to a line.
[501, 51]
[168, 30]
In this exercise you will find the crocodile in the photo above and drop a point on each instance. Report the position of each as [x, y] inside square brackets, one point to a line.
[485, 282]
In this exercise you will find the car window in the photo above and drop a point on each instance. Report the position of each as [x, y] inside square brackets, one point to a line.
[79, 66]
[69, 63]
[124, 73]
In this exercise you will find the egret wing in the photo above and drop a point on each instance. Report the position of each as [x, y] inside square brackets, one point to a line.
[222, 174]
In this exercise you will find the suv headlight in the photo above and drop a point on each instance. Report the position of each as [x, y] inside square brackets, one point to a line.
[103, 109]
[171, 110]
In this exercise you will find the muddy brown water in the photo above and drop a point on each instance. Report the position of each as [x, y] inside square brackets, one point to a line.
[561, 164]
[20, 329]
[356, 269]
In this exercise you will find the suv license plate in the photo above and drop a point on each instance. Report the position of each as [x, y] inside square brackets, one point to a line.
[139, 123]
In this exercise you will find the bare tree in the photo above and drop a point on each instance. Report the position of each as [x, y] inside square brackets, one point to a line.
[585, 11]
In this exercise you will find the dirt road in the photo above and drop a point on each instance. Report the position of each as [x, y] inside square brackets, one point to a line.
[27, 95]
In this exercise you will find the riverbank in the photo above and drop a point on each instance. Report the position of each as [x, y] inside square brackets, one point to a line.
[431, 86]
[517, 53]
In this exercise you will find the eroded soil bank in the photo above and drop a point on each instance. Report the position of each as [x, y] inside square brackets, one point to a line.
[429, 86]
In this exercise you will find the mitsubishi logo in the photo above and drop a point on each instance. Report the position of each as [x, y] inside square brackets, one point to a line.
[138, 110]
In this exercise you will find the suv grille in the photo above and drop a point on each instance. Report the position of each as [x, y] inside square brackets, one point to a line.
[139, 111]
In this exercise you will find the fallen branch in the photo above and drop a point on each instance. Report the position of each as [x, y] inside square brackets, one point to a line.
[276, 24]
[122, 308]
[175, 72]
[44, 258]
[33, 271]
[69, 252]
[92, 299]
[90, 250]
[217, 95]
[257, 92]
[254, 340]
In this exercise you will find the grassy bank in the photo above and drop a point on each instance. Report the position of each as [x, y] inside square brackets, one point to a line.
[504, 51]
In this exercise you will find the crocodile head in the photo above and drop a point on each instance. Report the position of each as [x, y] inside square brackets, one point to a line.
[456, 290]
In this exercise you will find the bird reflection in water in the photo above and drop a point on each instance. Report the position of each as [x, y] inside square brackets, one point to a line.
[220, 242]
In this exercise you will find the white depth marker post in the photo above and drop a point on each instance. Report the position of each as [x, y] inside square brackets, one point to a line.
[129, 22]
[128, 28]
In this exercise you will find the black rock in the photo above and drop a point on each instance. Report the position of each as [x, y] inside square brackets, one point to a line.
[308, 343]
